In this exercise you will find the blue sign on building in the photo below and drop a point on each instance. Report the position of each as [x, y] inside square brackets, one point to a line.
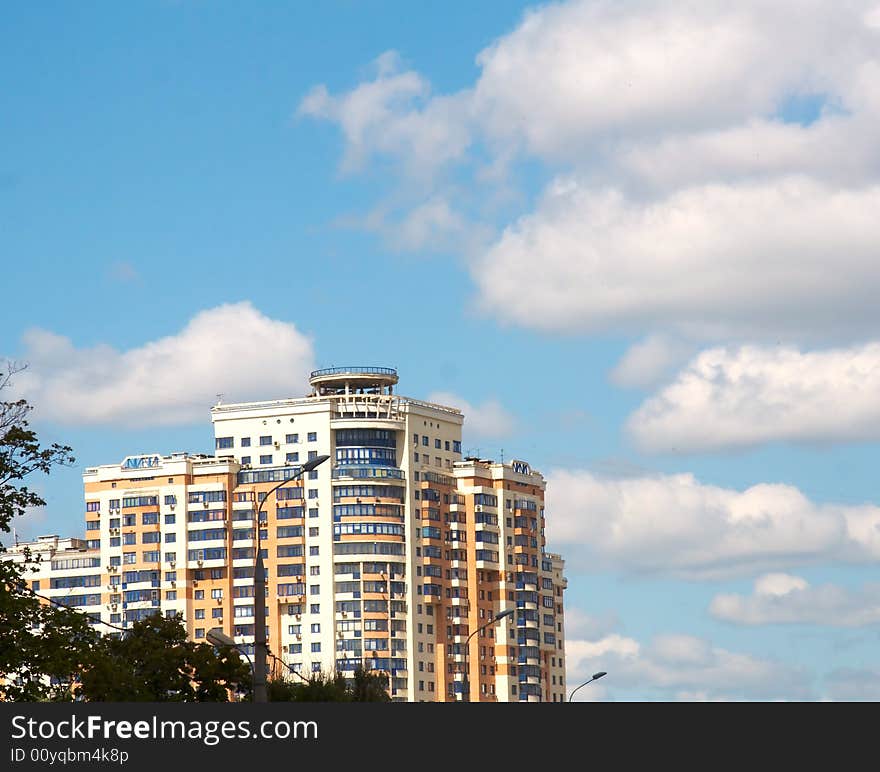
[141, 462]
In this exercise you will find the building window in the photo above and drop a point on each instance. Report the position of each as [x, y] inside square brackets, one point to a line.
[291, 457]
[314, 589]
[200, 632]
[315, 608]
[312, 437]
[314, 570]
[199, 595]
[313, 551]
[224, 442]
[425, 440]
[245, 442]
[291, 439]
[437, 444]
[313, 531]
[316, 627]
[266, 459]
[245, 459]
[200, 613]
[313, 511]
[313, 493]
[265, 440]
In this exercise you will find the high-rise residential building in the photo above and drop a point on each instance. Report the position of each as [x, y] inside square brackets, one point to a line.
[396, 554]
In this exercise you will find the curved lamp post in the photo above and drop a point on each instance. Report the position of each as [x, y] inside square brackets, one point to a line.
[596, 677]
[260, 644]
[216, 637]
[466, 690]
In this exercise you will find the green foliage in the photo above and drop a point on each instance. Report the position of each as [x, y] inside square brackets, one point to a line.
[49, 652]
[42, 647]
[154, 662]
[321, 687]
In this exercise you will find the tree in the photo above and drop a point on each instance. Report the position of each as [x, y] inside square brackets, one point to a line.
[154, 662]
[369, 686]
[321, 687]
[42, 647]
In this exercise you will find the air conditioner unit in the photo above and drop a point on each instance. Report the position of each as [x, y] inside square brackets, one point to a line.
[298, 616]
[171, 506]
[299, 637]
[205, 504]
[195, 582]
[339, 634]
[277, 446]
[200, 562]
[219, 601]
[172, 563]
[113, 607]
[478, 508]
[285, 648]
[345, 614]
[173, 583]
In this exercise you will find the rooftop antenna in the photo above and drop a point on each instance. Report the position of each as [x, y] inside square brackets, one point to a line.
[502, 456]
[219, 398]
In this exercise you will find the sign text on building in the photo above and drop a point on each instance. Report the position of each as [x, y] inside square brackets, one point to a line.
[521, 467]
[141, 462]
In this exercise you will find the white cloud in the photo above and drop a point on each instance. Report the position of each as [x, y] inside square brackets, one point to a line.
[232, 349]
[431, 226]
[677, 667]
[729, 398]
[124, 271]
[758, 258]
[579, 624]
[779, 584]
[783, 599]
[572, 76]
[394, 115]
[674, 525]
[686, 197]
[489, 419]
[853, 684]
[651, 360]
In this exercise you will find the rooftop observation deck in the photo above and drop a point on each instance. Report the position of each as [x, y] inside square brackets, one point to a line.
[353, 380]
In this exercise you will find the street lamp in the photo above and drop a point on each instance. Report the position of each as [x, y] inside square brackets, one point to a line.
[216, 637]
[596, 677]
[466, 693]
[260, 645]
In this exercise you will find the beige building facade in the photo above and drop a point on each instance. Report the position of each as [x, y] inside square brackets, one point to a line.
[395, 554]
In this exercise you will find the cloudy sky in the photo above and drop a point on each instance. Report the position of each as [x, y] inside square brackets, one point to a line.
[637, 242]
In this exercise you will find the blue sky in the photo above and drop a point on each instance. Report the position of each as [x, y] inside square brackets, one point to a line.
[637, 241]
